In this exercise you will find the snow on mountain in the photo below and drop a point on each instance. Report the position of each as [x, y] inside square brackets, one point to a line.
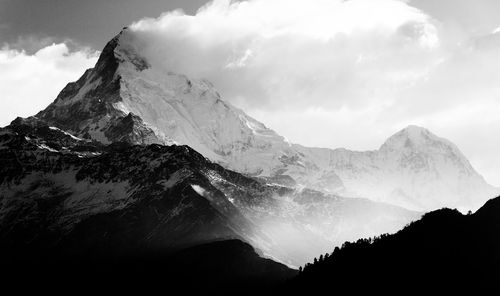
[414, 169]
[125, 98]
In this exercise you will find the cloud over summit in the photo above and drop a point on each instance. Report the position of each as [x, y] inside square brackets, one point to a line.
[269, 53]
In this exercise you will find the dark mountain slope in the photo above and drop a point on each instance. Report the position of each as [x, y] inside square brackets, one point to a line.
[217, 268]
[70, 195]
[444, 251]
[75, 213]
[87, 196]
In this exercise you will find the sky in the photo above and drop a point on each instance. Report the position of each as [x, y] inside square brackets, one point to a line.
[327, 73]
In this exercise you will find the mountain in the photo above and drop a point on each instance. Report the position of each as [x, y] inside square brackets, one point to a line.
[68, 195]
[126, 98]
[216, 268]
[445, 251]
[415, 169]
[134, 172]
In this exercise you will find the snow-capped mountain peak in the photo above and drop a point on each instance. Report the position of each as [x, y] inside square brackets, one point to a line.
[418, 147]
[127, 97]
[416, 138]
[411, 136]
[168, 108]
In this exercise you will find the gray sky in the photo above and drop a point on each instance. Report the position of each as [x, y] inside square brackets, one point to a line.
[89, 22]
[327, 73]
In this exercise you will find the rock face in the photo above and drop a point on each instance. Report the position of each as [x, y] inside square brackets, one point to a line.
[125, 98]
[69, 195]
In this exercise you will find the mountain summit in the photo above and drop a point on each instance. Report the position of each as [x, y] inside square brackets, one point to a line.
[418, 138]
[410, 136]
[126, 97]
[430, 171]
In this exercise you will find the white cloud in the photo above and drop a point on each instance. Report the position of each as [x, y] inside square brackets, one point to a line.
[338, 73]
[28, 83]
[295, 52]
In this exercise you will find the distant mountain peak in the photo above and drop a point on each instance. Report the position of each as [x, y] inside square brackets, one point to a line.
[413, 133]
[418, 138]
[416, 132]
[414, 128]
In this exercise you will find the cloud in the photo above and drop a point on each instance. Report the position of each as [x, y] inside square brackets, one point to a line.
[29, 82]
[295, 53]
[339, 73]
